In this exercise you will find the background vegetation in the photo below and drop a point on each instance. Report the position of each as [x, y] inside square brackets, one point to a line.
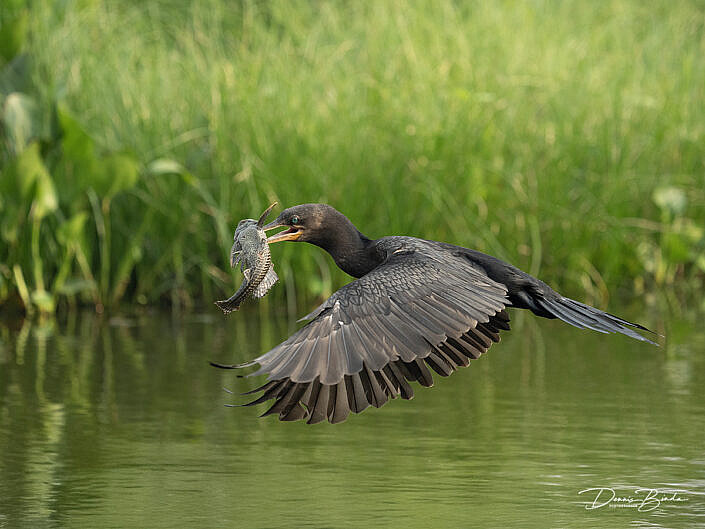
[566, 137]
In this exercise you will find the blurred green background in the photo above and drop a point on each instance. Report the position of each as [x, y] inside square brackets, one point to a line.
[566, 137]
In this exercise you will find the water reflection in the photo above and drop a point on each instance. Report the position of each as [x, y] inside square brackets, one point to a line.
[120, 423]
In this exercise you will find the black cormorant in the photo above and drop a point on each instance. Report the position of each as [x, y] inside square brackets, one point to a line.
[415, 306]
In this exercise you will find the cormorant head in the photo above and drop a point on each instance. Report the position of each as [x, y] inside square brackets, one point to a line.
[304, 223]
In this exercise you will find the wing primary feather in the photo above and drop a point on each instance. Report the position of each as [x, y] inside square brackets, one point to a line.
[387, 385]
[491, 327]
[309, 398]
[438, 364]
[457, 351]
[503, 315]
[271, 393]
[281, 400]
[426, 378]
[356, 393]
[318, 403]
[376, 396]
[306, 396]
[361, 401]
[408, 370]
[296, 412]
[291, 400]
[264, 387]
[232, 366]
[332, 397]
[455, 359]
[367, 387]
[500, 322]
[406, 392]
[350, 392]
[477, 339]
[484, 329]
[467, 346]
[342, 407]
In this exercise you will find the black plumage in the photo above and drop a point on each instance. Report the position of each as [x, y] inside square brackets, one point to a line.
[417, 306]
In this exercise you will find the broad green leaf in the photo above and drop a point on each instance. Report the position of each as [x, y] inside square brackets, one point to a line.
[45, 199]
[119, 173]
[20, 119]
[77, 168]
[72, 229]
[76, 144]
[28, 180]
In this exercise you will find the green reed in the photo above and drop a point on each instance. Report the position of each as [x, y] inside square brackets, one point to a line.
[565, 137]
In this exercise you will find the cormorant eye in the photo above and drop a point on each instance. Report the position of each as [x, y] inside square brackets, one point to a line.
[295, 220]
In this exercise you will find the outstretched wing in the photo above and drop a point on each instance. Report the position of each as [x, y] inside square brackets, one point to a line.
[374, 335]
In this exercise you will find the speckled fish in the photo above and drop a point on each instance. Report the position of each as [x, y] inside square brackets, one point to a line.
[251, 250]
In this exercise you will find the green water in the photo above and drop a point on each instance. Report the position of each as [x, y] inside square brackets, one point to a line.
[120, 423]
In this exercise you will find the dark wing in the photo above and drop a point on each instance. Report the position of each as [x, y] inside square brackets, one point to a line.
[374, 335]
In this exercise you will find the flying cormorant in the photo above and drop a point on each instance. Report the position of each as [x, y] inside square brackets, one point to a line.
[415, 305]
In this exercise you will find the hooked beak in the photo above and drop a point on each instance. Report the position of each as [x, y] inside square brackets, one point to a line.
[290, 234]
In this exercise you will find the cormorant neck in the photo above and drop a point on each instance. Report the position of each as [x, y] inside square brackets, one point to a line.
[354, 253]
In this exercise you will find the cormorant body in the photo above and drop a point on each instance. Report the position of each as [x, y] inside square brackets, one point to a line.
[415, 306]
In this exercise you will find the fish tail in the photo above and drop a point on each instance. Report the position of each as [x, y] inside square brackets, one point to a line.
[233, 302]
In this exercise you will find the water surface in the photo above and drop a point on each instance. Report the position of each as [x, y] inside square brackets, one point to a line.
[120, 423]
